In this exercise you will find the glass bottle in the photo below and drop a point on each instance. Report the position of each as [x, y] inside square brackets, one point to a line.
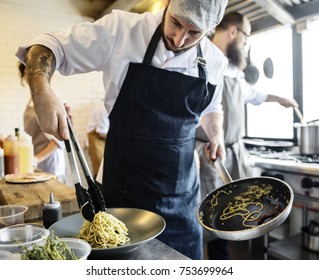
[11, 155]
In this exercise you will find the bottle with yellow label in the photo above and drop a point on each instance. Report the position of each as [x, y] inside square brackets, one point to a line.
[26, 153]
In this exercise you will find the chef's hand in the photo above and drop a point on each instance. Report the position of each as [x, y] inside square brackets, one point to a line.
[211, 152]
[52, 113]
[288, 103]
[285, 102]
[212, 125]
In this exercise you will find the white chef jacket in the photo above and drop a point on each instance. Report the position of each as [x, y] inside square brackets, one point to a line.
[112, 42]
[99, 120]
[250, 94]
[56, 162]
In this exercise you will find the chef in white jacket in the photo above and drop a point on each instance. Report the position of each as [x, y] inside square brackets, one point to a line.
[161, 76]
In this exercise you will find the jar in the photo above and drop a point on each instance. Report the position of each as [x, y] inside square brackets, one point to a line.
[11, 155]
[26, 153]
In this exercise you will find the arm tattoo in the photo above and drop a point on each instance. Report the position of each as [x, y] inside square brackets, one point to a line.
[40, 62]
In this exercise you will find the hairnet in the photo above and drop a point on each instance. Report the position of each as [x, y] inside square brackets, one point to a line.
[204, 14]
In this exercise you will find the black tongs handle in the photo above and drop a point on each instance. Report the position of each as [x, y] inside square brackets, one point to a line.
[93, 189]
[82, 195]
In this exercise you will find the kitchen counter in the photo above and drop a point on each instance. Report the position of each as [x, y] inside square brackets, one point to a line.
[151, 250]
[286, 165]
[34, 195]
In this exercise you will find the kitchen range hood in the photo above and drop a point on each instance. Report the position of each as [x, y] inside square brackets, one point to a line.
[263, 14]
[267, 14]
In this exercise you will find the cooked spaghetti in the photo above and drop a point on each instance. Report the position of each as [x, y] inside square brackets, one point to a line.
[243, 204]
[214, 200]
[105, 231]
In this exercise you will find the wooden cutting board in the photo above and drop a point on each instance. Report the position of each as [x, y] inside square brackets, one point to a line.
[34, 195]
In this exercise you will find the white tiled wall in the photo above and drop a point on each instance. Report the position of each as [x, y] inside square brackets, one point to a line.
[20, 21]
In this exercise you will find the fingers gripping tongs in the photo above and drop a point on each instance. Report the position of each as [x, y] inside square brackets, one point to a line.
[90, 200]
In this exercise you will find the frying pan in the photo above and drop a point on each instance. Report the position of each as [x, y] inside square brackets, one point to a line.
[276, 206]
[268, 68]
[251, 71]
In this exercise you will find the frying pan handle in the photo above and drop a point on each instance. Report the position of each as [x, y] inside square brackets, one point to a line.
[222, 171]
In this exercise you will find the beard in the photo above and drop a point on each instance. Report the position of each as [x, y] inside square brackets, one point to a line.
[169, 42]
[236, 55]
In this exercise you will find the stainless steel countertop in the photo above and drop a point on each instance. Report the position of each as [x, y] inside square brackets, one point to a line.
[291, 166]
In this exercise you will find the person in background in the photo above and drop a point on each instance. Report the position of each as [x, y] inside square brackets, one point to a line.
[49, 153]
[160, 80]
[96, 132]
[230, 37]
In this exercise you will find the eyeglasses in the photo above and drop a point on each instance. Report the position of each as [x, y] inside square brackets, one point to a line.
[242, 31]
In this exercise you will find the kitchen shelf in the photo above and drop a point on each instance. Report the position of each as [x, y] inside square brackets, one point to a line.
[291, 249]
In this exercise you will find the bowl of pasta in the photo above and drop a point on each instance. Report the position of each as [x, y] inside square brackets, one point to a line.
[116, 231]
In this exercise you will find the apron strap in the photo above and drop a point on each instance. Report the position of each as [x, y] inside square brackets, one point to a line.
[152, 46]
[201, 64]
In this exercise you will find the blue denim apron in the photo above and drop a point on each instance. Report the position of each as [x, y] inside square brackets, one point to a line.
[149, 156]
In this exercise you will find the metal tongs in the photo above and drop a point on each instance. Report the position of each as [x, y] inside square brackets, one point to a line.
[90, 200]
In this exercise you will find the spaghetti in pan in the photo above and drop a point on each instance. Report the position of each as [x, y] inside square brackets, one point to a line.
[245, 209]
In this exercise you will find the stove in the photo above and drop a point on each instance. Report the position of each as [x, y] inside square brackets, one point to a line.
[292, 155]
[301, 172]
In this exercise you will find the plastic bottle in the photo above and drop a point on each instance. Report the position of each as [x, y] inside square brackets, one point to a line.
[11, 155]
[26, 153]
[52, 212]
[1, 164]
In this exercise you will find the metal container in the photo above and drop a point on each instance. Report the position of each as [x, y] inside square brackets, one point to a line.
[308, 137]
[310, 236]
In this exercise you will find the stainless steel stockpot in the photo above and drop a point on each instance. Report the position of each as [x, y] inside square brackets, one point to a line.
[308, 137]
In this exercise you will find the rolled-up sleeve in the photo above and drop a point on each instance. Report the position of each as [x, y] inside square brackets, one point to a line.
[87, 46]
[251, 94]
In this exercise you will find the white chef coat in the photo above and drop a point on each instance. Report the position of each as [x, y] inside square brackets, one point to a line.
[112, 42]
[250, 94]
[56, 162]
